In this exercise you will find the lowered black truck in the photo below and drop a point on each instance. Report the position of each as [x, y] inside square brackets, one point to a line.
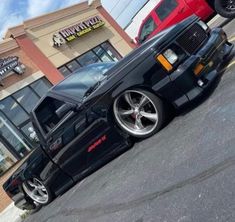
[90, 117]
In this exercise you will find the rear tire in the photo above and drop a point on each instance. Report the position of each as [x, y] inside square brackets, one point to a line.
[139, 113]
[225, 8]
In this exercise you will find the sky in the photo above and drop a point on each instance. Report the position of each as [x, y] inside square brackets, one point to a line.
[14, 12]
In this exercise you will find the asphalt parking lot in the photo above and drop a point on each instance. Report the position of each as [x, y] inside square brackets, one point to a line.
[184, 173]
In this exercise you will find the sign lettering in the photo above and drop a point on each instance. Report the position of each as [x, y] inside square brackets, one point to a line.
[8, 65]
[75, 31]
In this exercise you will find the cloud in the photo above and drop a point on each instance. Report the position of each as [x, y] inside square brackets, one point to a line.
[38, 7]
[8, 18]
[71, 2]
[14, 12]
[11, 21]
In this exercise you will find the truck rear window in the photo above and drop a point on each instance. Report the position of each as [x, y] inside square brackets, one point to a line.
[46, 115]
[165, 8]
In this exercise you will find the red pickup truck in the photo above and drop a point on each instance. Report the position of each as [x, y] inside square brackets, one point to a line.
[169, 12]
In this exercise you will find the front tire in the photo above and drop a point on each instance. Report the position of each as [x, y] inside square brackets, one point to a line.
[225, 8]
[139, 113]
[37, 191]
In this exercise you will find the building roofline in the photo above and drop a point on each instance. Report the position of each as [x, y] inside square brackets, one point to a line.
[7, 45]
[50, 17]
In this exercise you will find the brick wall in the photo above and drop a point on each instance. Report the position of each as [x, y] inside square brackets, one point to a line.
[4, 199]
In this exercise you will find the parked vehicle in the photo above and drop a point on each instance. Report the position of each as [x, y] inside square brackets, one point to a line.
[226, 8]
[170, 12]
[90, 117]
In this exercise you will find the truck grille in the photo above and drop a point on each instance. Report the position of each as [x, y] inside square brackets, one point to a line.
[192, 39]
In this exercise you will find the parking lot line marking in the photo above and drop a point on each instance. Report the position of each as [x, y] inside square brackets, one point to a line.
[214, 19]
[232, 39]
[231, 64]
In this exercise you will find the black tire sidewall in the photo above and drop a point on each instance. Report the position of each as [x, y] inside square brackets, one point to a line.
[222, 11]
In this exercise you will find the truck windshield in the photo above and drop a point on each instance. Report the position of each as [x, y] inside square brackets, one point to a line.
[79, 82]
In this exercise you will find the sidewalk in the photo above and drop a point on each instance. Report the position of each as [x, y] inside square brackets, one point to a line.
[11, 214]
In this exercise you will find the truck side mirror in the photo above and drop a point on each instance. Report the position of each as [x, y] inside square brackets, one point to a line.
[137, 40]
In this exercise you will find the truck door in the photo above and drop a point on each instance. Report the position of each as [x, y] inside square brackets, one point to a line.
[200, 8]
[63, 133]
[75, 139]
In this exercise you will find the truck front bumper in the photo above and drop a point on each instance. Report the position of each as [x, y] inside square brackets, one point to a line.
[211, 57]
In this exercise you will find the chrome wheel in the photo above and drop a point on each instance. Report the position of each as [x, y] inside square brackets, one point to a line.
[136, 113]
[36, 191]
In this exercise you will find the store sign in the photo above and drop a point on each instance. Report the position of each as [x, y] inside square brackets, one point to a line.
[8, 65]
[76, 31]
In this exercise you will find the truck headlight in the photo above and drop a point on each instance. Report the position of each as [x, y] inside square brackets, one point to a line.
[167, 59]
[203, 25]
[171, 56]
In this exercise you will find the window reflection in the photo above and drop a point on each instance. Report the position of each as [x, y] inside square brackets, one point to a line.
[64, 71]
[13, 111]
[6, 159]
[111, 51]
[10, 134]
[14, 118]
[73, 66]
[27, 98]
[41, 86]
[88, 58]
[102, 53]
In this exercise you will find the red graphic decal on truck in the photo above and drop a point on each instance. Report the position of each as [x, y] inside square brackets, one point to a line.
[97, 143]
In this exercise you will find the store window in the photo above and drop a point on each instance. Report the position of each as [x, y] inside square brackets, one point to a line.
[111, 51]
[64, 71]
[41, 86]
[104, 52]
[27, 98]
[73, 66]
[15, 120]
[13, 111]
[11, 137]
[7, 160]
[88, 58]
[103, 55]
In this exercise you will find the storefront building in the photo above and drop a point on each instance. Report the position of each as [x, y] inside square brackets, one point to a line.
[22, 84]
[75, 36]
[43, 51]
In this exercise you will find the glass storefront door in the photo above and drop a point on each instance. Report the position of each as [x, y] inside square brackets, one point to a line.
[7, 160]
[13, 139]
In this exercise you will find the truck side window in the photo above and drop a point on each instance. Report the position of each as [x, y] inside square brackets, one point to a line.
[165, 8]
[148, 27]
[46, 114]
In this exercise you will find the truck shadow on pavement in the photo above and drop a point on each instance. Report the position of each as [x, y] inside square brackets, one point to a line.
[97, 210]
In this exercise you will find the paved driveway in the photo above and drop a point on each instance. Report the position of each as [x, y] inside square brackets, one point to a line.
[184, 173]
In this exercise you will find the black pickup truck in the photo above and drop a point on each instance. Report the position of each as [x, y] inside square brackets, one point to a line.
[91, 116]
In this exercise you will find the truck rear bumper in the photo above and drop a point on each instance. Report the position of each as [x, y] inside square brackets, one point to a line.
[211, 57]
